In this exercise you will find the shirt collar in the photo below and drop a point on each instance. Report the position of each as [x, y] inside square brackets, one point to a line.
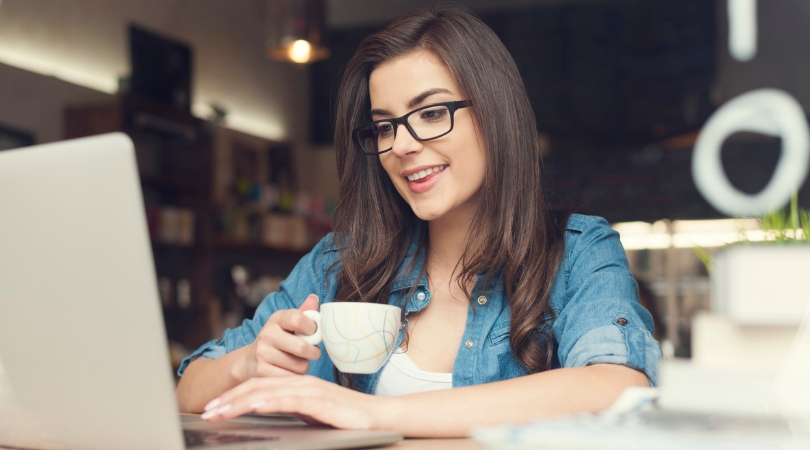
[411, 278]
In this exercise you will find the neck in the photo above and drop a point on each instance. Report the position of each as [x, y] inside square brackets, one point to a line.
[447, 242]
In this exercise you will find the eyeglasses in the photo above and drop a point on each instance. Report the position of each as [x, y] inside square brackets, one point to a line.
[425, 123]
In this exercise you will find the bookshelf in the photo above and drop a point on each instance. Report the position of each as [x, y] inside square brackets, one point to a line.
[215, 199]
[173, 150]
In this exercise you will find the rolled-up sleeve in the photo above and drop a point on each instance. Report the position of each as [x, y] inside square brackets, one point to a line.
[308, 277]
[600, 319]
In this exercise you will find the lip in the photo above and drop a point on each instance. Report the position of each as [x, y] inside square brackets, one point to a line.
[409, 172]
[424, 184]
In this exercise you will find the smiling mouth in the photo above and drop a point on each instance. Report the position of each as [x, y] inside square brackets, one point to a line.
[425, 173]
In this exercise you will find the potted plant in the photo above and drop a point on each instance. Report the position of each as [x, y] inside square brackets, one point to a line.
[765, 282]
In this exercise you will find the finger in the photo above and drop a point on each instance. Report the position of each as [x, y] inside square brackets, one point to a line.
[290, 398]
[311, 302]
[277, 337]
[236, 408]
[217, 408]
[308, 419]
[251, 385]
[270, 370]
[294, 321]
[273, 357]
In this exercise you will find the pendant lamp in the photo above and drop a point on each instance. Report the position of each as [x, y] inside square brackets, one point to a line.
[296, 30]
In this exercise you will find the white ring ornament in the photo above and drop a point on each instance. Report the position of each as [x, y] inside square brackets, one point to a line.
[767, 111]
[742, 29]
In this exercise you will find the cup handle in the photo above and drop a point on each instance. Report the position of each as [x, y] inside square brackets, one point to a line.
[314, 338]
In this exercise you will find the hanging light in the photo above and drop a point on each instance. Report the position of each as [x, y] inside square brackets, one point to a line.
[296, 31]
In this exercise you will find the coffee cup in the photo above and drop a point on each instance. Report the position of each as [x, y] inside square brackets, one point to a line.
[359, 337]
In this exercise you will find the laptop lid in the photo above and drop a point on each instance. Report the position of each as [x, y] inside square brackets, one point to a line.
[84, 357]
[81, 340]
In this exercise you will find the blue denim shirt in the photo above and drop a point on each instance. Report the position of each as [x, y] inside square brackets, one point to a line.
[594, 297]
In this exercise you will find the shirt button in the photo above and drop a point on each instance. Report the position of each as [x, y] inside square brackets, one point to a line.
[622, 321]
[469, 343]
[482, 300]
[420, 296]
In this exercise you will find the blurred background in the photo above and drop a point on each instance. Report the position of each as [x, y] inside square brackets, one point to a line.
[230, 105]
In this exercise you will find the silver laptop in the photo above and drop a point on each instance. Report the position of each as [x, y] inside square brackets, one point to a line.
[83, 348]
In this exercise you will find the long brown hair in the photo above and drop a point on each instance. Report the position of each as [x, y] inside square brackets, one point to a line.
[513, 239]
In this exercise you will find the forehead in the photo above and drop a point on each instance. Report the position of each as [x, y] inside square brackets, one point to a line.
[394, 83]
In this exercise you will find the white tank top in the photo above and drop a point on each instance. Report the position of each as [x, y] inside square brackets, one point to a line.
[400, 376]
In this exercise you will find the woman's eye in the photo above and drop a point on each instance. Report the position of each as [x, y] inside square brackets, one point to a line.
[385, 129]
[432, 115]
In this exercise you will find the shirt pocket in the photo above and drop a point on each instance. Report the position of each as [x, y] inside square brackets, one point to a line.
[499, 334]
[500, 362]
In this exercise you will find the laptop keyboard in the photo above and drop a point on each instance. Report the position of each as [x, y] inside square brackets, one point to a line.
[202, 438]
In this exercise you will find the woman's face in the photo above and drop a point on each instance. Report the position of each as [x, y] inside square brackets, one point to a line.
[452, 166]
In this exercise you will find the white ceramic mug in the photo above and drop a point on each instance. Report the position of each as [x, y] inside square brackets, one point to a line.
[359, 337]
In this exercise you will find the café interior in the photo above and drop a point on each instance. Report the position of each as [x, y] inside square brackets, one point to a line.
[230, 107]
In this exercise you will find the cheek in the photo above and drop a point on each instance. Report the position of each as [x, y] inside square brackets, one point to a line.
[476, 162]
[474, 152]
[388, 166]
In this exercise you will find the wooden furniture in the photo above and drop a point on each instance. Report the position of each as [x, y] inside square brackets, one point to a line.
[193, 174]
[173, 149]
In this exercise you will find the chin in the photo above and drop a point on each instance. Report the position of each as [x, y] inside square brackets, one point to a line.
[427, 216]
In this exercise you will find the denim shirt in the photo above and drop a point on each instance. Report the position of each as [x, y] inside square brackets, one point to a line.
[594, 297]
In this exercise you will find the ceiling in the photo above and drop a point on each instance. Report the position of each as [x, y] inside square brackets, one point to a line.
[352, 13]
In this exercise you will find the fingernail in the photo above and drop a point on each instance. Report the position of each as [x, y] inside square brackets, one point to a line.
[258, 404]
[212, 404]
[215, 412]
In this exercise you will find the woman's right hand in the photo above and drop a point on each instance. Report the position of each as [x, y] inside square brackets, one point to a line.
[277, 350]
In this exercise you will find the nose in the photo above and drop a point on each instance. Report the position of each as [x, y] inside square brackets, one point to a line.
[404, 143]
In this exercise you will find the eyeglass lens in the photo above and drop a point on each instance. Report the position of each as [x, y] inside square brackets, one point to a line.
[424, 124]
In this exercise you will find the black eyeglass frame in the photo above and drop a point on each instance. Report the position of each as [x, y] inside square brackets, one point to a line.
[403, 120]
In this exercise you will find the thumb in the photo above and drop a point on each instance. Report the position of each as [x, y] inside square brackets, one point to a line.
[311, 302]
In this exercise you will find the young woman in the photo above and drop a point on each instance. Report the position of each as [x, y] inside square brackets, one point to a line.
[522, 312]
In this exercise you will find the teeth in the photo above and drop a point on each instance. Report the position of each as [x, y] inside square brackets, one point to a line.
[423, 173]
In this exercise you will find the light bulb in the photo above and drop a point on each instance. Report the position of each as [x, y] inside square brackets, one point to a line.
[300, 51]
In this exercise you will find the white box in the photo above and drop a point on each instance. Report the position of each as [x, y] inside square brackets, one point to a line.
[762, 284]
[721, 343]
[690, 387]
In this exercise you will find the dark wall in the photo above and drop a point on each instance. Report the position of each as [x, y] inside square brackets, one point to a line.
[621, 88]
[614, 72]
[621, 71]
[325, 79]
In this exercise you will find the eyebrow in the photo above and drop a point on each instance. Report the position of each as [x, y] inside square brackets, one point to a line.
[412, 102]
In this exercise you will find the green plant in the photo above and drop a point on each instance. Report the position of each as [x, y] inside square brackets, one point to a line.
[790, 225]
[787, 225]
[705, 257]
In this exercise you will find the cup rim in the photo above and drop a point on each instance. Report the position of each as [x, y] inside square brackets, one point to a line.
[359, 305]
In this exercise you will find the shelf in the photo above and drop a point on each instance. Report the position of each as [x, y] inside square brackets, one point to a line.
[167, 183]
[229, 243]
[159, 243]
[183, 123]
[174, 154]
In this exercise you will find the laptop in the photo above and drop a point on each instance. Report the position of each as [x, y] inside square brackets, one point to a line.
[83, 349]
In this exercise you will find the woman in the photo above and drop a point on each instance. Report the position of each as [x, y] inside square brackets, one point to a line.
[441, 211]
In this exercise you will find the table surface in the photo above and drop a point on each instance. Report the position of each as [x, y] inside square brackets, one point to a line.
[418, 444]
[443, 444]
[405, 444]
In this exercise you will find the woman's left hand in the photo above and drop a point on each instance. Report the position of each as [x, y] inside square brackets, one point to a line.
[308, 397]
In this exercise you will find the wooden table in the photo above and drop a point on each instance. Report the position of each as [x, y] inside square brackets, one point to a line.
[417, 444]
[438, 444]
